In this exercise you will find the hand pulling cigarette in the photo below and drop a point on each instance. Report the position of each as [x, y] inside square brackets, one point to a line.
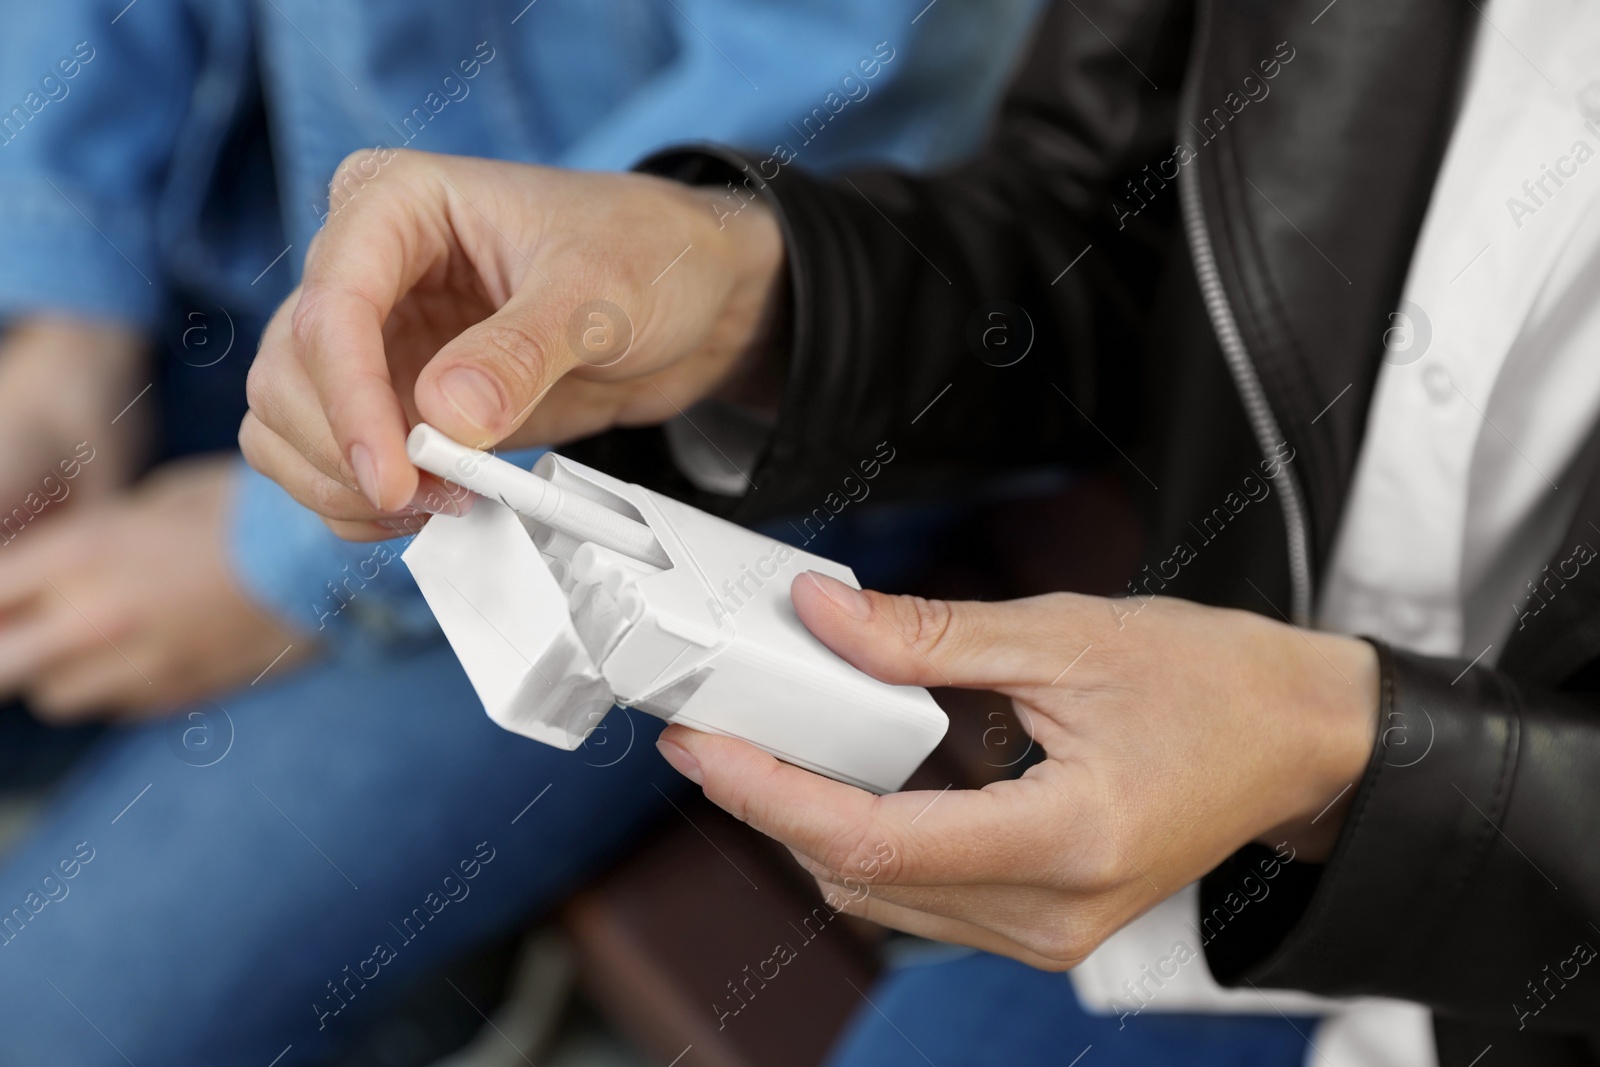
[532, 496]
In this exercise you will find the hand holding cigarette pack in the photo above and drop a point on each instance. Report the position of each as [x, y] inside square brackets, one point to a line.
[566, 591]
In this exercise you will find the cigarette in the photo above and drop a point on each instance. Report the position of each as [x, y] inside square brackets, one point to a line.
[532, 496]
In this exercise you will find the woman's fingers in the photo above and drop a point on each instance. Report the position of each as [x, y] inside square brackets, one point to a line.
[271, 454]
[924, 838]
[284, 399]
[371, 253]
[45, 547]
[484, 382]
[911, 640]
[53, 630]
[338, 502]
[341, 343]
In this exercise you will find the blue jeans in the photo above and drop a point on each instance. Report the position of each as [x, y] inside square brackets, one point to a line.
[188, 899]
[972, 1008]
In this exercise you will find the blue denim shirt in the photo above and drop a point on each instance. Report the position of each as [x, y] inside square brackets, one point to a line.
[121, 181]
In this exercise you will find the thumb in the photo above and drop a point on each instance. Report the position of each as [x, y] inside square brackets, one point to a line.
[482, 385]
[908, 640]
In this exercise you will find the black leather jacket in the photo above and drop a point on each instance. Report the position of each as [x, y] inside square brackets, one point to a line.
[1183, 325]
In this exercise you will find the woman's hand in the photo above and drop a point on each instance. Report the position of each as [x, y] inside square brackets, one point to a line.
[1174, 734]
[66, 391]
[500, 302]
[127, 607]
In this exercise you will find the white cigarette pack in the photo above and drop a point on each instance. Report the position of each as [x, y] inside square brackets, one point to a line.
[553, 631]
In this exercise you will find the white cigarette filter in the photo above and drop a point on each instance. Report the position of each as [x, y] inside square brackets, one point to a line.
[531, 496]
[612, 594]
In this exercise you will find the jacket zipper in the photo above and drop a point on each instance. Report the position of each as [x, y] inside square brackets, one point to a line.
[1262, 422]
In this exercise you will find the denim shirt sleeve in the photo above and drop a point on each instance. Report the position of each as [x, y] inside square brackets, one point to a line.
[359, 598]
[815, 64]
[90, 104]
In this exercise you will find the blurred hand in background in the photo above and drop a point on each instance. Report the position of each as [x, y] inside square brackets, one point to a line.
[128, 605]
[64, 385]
[114, 598]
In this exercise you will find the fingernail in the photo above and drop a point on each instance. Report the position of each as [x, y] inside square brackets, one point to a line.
[852, 602]
[443, 502]
[682, 762]
[366, 473]
[475, 397]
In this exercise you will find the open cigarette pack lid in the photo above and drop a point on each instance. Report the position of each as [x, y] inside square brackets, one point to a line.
[691, 622]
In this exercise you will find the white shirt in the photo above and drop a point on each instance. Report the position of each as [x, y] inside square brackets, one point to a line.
[1490, 390]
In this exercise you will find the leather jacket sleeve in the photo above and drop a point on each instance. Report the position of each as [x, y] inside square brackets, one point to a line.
[985, 317]
[1466, 876]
